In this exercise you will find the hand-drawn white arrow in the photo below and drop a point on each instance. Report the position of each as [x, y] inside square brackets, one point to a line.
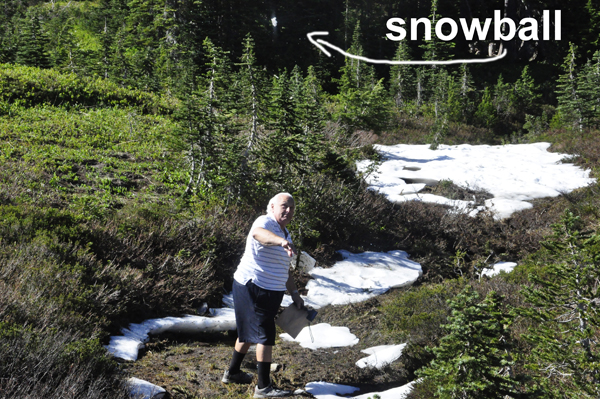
[320, 43]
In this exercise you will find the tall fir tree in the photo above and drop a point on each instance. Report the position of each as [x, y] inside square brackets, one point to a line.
[281, 149]
[207, 131]
[570, 106]
[588, 82]
[434, 49]
[525, 94]
[402, 77]
[312, 109]
[503, 96]
[468, 93]
[485, 115]
[311, 116]
[251, 86]
[443, 96]
[32, 48]
[362, 101]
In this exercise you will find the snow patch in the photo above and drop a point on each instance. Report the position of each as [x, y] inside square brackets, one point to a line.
[325, 390]
[499, 267]
[358, 278]
[323, 335]
[380, 356]
[140, 389]
[126, 347]
[513, 174]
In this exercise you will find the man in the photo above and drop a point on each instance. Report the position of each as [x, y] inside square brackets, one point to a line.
[260, 281]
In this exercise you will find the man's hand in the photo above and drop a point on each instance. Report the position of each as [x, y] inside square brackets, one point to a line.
[289, 247]
[297, 299]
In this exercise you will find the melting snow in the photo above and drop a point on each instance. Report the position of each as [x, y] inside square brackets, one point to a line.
[144, 390]
[323, 335]
[380, 356]
[514, 174]
[126, 347]
[359, 277]
[499, 267]
[326, 390]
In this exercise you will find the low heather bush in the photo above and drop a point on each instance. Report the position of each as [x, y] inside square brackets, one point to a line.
[49, 364]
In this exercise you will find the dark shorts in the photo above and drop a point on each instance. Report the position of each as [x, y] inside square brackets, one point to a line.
[255, 311]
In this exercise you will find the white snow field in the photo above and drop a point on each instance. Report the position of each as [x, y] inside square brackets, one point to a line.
[514, 174]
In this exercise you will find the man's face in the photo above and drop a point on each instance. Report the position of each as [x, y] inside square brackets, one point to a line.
[283, 209]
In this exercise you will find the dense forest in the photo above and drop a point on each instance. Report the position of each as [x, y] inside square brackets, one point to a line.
[139, 140]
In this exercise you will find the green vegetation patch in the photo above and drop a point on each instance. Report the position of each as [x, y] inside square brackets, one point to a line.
[33, 86]
[104, 154]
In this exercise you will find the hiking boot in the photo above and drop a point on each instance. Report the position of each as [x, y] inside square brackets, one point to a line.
[238, 378]
[270, 392]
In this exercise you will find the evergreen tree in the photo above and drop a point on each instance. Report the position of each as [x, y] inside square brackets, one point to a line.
[434, 49]
[485, 115]
[564, 303]
[588, 82]
[108, 20]
[442, 97]
[207, 131]
[33, 43]
[526, 95]
[467, 93]
[473, 360]
[593, 9]
[503, 95]
[362, 102]
[67, 53]
[307, 96]
[570, 107]
[9, 30]
[121, 69]
[420, 86]
[251, 87]
[312, 109]
[281, 150]
[402, 77]
[455, 102]
[437, 49]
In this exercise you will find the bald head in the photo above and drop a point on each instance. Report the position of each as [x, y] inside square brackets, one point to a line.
[282, 208]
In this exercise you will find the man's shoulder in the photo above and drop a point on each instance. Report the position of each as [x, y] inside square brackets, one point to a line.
[265, 221]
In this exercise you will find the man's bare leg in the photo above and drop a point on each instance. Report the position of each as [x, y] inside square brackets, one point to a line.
[241, 347]
[264, 353]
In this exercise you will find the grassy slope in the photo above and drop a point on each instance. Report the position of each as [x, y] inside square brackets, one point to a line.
[92, 236]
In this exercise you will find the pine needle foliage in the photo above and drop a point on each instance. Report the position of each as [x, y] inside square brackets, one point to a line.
[565, 304]
[473, 359]
[569, 99]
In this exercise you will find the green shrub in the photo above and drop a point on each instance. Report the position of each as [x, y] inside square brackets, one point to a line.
[34, 86]
[45, 363]
[415, 316]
